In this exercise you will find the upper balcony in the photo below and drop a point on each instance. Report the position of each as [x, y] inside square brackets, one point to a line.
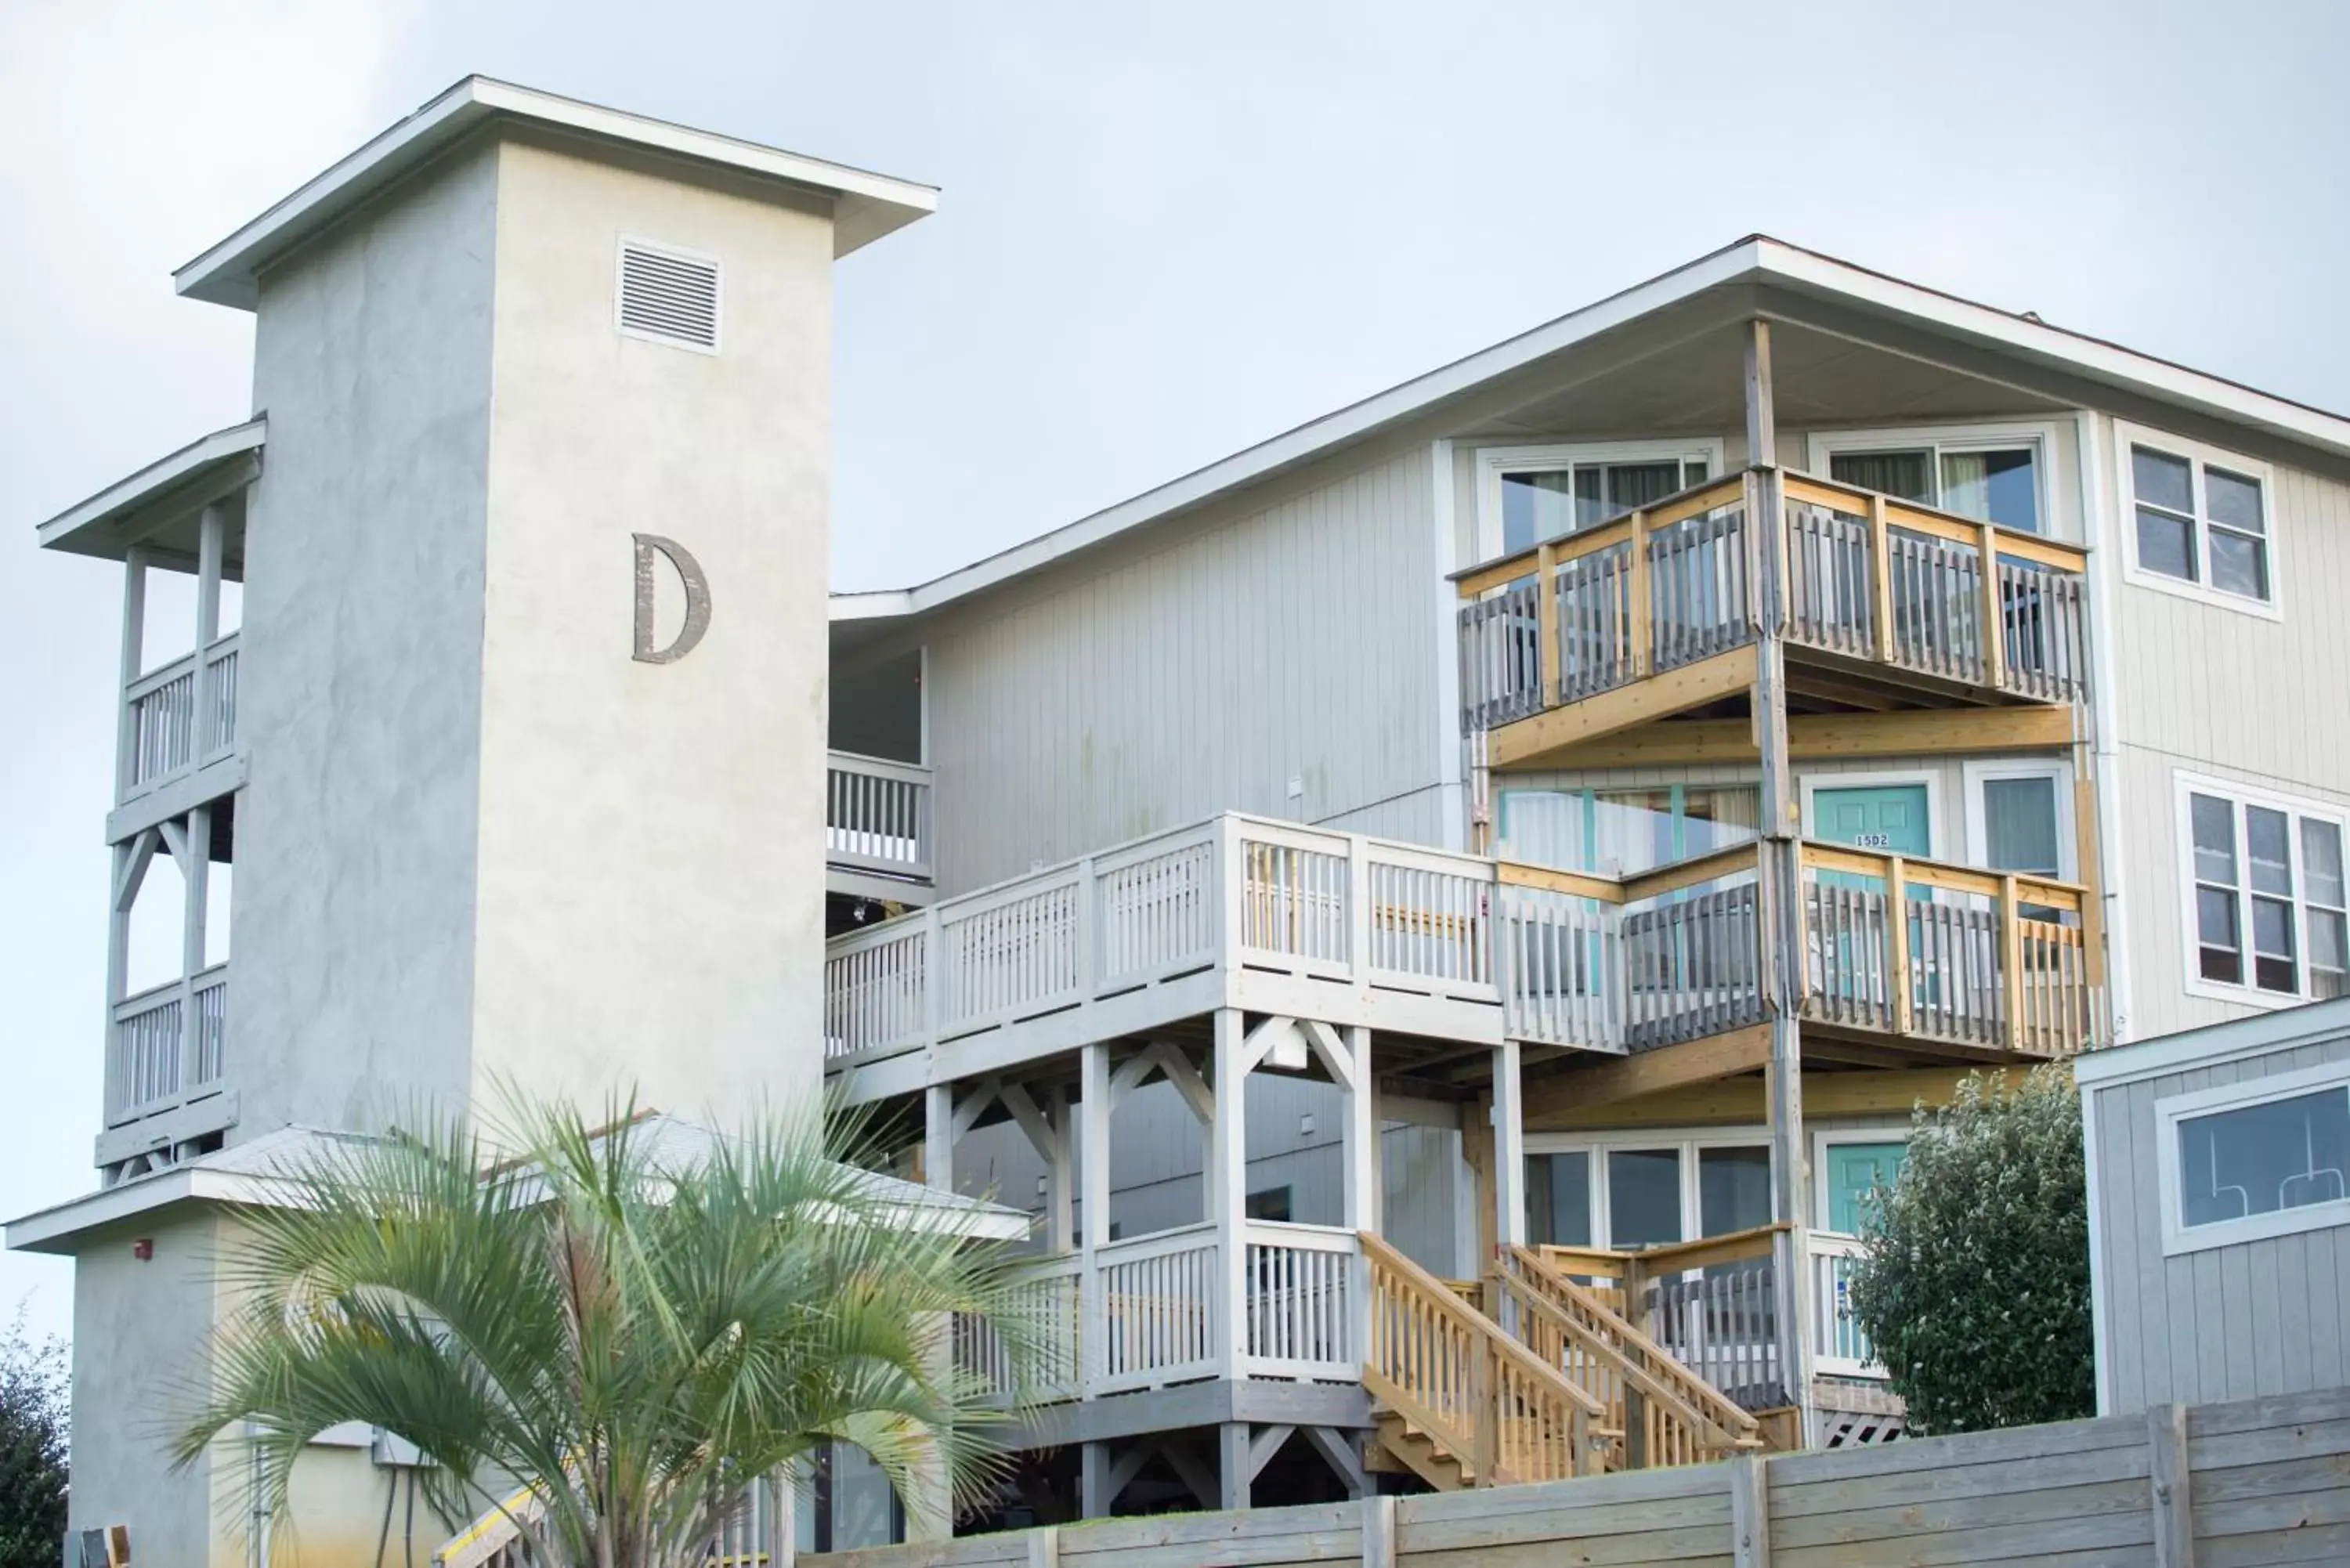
[1888, 606]
[877, 828]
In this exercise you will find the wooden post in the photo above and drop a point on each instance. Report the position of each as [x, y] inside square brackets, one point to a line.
[930, 1508]
[1750, 1513]
[1361, 1144]
[1761, 416]
[134, 643]
[2168, 1484]
[2011, 960]
[1060, 1177]
[1880, 579]
[1509, 1152]
[1642, 629]
[1477, 1152]
[212, 536]
[1044, 1547]
[1096, 1500]
[1093, 1163]
[1897, 942]
[195, 874]
[1485, 1401]
[1232, 1475]
[1547, 597]
[1379, 1532]
[1227, 1188]
[1994, 624]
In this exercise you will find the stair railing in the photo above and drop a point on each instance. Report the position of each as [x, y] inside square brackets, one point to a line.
[1667, 1413]
[1498, 1410]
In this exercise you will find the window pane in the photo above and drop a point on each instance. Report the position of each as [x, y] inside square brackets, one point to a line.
[1733, 1190]
[2273, 946]
[2001, 487]
[2320, 862]
[1907, 474]
[2161, 480]
[2329, 953]
[2268, 843]
[2261, 1159]
[2239, 565]
[1534, 508]
[2232, 499]
[1588, 510]
[2020, 824]
[2221, 954]
[1631, 484]
[1644, 1197]
[2166, 544]
[1558, 1199]
[2215, 839]
[1717, 818]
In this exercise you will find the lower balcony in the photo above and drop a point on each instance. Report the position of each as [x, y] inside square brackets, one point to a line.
[877, 828]
[170, 1047]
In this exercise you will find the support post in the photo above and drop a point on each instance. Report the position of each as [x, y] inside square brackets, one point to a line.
[212, 540]
[1093, 1165]
[1509, 1151]
[1362, 1139]
[1546, 658]
[1750, 1513]
[1994, 622]
[930, 1510]
[134, 651]
[1227, 1188]
[1061, 1175]
[1900, 991]
[1880, 580]
[2011, 961]
[1642, 629]
[195, 874]
[1761, 416]
[1232, 1473]
[1379, 1532]
[1096, 1500]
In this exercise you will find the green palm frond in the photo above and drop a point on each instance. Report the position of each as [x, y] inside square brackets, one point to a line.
[637, 1336]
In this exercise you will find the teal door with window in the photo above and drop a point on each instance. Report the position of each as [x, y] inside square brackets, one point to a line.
[1854, 1171]
[1888, 818]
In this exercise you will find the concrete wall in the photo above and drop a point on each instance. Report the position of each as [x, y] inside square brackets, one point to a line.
[650, 898]
[361, 673]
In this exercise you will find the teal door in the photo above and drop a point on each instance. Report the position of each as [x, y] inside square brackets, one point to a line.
[1854, 1171]
[1888, 818]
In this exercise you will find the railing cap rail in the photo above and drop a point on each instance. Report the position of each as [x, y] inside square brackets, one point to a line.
[879, 767]
[1518, 563]
[1944, 873]
[163, 675]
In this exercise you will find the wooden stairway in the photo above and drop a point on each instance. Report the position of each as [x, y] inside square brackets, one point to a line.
[1460, 1400]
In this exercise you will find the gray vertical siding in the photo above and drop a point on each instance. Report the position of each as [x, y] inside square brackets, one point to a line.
[2217, 692]
[1294, 634]
[2227, 1322]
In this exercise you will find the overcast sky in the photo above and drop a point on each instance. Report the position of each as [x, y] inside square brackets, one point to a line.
[1167, 232]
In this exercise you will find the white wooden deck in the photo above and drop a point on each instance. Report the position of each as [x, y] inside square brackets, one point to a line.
[178, 719]
[1236, 912]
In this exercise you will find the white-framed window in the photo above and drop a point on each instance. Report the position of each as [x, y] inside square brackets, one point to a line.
[2263, 1157]
[1996, 473]
[1629, 1189]
[2264, 894]
[1526, 495]
[2198, 521]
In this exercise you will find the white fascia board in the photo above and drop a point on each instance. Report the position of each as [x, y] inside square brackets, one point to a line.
[54, 1230]
[2091, 356]
[158, 478]
[866, 205]
[2213, 1043]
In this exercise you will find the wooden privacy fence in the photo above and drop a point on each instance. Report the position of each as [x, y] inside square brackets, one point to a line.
[2261, 1481]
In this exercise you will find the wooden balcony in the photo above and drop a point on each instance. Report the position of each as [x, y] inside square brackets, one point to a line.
[170, 1047]
[1888, 606]
[1980, 962]
[178, 720]
[876, 820]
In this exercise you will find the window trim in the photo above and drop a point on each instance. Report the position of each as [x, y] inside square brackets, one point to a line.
[1977, 772]
[2178, 1237]
[1492, 462]
[1685, 1141]
[1936, 826]
[1820, 1143]
[2198, 456]
[1820, 446]
[2184, 785]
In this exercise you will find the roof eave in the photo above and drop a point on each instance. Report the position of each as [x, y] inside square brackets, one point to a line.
[866, 205]
[170, 486]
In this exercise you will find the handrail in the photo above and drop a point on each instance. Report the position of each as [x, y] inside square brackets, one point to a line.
[1683, 504]
[1853, 501]
[1719, 1427]
[2046, 891]
[1513, 1417]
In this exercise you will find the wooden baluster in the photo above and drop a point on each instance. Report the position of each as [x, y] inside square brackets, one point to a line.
[1994, 625]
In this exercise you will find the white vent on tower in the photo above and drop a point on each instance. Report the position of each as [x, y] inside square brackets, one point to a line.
[668, 296]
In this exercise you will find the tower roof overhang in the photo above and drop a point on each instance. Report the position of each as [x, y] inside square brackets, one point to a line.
[865, 205]
[158, 507]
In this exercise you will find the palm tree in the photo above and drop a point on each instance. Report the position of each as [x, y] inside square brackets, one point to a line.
[632, 1324]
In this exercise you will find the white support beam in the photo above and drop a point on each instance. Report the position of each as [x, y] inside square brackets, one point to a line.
[1343, 1452]
[1232, 1468]
[1122, 1473]
[1336, 1060]
[1060, 1176]
[1177, 1069]
[1032, 1123]
[1361, 1144]
[1276, 1039]
[1227, 1187]
[1509, 1149]
[938, 1137]
[195, 870]
[1093, 1160]
[130, 869]
[211, 539]
[1264, 1445]
[134, 651]
[974, 1104]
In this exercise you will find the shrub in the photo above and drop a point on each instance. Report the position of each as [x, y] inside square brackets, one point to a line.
[32, 1448]
[1975, 1291]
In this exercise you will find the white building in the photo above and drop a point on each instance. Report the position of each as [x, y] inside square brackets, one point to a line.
[1570, 804]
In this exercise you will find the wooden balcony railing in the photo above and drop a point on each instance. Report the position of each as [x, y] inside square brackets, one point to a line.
[1868, 576]
[877, 816]
[178, 718]
[170, 1047]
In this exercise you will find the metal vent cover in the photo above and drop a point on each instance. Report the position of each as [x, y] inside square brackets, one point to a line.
[668, 296]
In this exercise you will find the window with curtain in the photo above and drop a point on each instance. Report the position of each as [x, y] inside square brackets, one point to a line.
[2268, 908]
[1992, 484]
[1548, 501]
[1558, 1199]
[1623, 832]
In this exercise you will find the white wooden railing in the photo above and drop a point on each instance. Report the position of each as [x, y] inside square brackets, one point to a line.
[1233, 892]
[1839, 1345]
[1158, 1295]
[1299, 1287]
[179, 717]
[876, 816]
[1046, 1302]
[170, 1045]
